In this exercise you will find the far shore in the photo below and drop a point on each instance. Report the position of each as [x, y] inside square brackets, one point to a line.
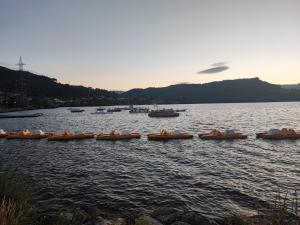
[20, 109]
[9, 110]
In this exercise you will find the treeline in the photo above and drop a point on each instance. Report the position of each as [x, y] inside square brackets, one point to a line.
[33, 85]
[42, 91]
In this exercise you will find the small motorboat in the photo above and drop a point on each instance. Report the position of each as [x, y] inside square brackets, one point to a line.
[76, 110]
[165, 135]
[180, 110]
[71, 136]
[218, 135]
[26, 134]
[100, 109]
[114, 110]
[163, 113]
[139, 110]
[277, 134]
[4, 134]
[114, 135]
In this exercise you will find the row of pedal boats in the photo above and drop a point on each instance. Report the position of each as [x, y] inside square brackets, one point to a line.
[162, 135]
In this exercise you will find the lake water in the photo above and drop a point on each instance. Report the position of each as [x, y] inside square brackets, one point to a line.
[211, 177]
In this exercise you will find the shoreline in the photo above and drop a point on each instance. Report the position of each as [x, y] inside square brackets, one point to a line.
[11, 110]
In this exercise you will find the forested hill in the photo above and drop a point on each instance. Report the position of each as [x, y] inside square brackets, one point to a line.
[33, 85]
[291, 86]
[240, 90]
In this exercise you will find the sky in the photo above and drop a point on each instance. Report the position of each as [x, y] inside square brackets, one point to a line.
[124, 44]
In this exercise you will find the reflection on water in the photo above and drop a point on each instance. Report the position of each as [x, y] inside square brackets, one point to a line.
[211, 177]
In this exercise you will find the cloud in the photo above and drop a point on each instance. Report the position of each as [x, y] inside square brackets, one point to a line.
[216, 69]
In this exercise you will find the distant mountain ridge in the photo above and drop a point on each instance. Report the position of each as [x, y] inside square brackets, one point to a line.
[34, 85]
[240, 90]
[291, 86]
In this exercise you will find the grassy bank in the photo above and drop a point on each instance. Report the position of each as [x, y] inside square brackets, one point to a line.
[15, 209]
[14, 205]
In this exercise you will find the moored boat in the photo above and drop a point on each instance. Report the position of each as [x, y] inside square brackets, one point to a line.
[163, 113]
[115, 135]
[114, 110]
[165, 135]
[180, 110]
[71, 136]
[76, 110]
[26, 134]
[276, 134]
[4, 134]
[218, 135]
[139, 110]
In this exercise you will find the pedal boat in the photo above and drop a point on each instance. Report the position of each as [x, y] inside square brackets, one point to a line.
[275, 134]
[4, 134]
[71, 136]
[26, 134]
[165, 135]
[114, 136]
[218, 135]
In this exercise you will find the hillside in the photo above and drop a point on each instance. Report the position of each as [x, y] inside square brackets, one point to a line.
[33, 85]
[241, 90]
[291, 86]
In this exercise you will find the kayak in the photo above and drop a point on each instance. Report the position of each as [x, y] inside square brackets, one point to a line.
[71, 136]
[164, 135]
[118, 136]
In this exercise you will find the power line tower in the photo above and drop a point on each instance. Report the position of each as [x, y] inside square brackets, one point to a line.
[20, 64]
[20, 85]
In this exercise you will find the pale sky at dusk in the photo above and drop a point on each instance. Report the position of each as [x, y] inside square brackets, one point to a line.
[122, 44]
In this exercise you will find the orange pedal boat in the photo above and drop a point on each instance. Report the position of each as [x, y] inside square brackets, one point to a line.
[114, 136]
[275, 134]
[71, 136]
[4, 134]
[218, 135]
[26, 134]
[165, 135]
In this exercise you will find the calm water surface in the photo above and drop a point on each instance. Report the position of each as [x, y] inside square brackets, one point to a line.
[211, 177]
